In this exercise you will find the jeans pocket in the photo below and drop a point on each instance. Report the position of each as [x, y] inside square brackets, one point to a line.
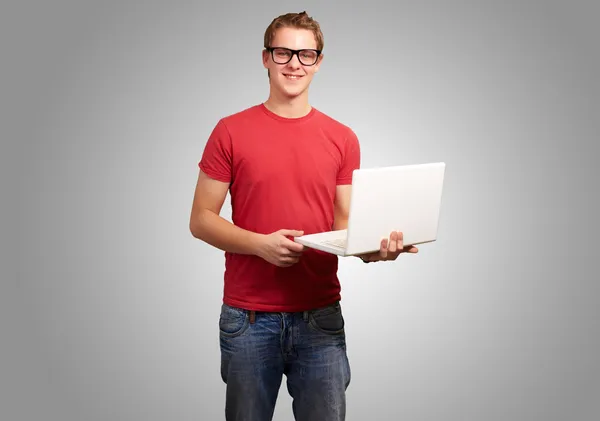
[328, 320]
[232, 321]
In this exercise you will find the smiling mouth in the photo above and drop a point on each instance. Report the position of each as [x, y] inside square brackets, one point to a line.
[292, 77]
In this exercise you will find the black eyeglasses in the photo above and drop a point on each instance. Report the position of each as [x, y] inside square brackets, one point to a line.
[307, 57]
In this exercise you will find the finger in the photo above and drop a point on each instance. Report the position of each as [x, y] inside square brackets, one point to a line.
[292, 246]
[400, 241]
[288, 260]
[411, 249]
[393, 242]
[383, 248]
[291, 233]
[283, 251]
[284, 265]
[290, 253]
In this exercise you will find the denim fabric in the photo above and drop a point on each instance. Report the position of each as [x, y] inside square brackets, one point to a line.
[309, 348]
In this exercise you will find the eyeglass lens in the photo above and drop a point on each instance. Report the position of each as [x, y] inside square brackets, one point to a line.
[283, 56]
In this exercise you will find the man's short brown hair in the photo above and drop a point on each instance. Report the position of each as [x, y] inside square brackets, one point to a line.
[294, 20]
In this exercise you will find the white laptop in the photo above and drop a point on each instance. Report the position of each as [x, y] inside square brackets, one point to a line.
[403, 198]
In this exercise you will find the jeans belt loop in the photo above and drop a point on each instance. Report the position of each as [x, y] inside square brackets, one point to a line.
[252, 316]
[305, 315]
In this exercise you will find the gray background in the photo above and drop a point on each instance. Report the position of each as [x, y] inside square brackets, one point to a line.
[109, 307]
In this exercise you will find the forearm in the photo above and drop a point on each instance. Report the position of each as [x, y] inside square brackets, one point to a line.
[222, 234]
[340, 223]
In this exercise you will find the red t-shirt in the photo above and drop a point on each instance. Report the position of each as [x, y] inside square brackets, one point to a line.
[283, 174]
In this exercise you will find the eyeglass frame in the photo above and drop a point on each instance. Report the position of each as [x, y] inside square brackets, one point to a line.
[294, 53]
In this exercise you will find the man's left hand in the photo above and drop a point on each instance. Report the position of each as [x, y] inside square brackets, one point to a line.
[389, 250]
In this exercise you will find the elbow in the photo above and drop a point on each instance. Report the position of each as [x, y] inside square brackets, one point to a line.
[195, 226]
[194, 230]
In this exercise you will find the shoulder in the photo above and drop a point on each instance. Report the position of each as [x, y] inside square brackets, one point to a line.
[335, 126]
[243, 117]
[227, 126]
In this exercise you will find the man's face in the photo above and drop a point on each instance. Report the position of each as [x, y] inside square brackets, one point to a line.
[292, 78]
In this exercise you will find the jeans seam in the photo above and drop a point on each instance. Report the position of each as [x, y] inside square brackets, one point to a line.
[312, 324]
[240, 331]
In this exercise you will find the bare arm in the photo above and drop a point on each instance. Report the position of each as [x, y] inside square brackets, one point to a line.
[207, 225]
[341, 206]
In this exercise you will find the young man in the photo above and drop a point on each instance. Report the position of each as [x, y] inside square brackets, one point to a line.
[288, 168]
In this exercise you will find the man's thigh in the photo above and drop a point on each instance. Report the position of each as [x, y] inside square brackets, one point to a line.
[251, 363]
[318, 376]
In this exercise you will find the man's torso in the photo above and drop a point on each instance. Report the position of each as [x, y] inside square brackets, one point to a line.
[284, 174]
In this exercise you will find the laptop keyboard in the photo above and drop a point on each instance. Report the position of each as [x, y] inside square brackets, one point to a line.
[337, 242]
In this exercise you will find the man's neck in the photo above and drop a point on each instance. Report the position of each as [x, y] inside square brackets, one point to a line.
[288, 108]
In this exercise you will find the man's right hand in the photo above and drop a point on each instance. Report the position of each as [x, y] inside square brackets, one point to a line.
[278, 249]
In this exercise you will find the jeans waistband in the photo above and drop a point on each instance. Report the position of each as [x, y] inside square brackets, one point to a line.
[305, 313]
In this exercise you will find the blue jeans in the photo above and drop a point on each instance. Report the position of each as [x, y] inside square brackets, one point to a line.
[258, 348]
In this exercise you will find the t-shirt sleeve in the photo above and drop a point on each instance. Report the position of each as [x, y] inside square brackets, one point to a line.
[350, 160]
[216, 161]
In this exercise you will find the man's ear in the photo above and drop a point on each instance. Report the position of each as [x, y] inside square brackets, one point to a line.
[319, 61]
[265, 58]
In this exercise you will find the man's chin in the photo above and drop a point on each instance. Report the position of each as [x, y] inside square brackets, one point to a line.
[292, 93]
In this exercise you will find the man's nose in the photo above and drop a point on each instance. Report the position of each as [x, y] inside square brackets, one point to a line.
[295, 62]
